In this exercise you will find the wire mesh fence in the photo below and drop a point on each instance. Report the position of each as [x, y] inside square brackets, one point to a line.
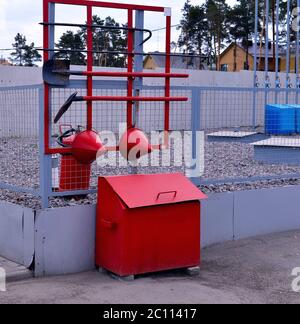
[109, 119]
[19, 137]
[251, 135]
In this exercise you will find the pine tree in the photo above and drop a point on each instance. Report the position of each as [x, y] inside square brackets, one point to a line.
[242, 24]
[218, 25]
[31, 55]
[108, 40]
[17, 56]
[72, 41]
[24, 55]
[193, 28]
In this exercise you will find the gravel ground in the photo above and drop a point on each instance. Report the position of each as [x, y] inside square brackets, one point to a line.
[19, 166]
[19, 162]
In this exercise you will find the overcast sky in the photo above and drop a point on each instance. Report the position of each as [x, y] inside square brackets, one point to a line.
[23, 16]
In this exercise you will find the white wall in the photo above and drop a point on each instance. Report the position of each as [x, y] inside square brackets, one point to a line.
[18, 76]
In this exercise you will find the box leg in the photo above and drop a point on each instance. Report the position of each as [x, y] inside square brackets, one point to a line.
[114, 276]
[193, 271]
[102, 270]
[127, 278]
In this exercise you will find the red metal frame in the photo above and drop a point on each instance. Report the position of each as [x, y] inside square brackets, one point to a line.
[46, 86]
[90, 61]
[130, 74]
[131, 99]
[134, 74]
[168, 80]
[108, 5]
[130, 68]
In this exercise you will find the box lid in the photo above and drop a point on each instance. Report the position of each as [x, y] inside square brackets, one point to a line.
[158, 189]
[279, 106]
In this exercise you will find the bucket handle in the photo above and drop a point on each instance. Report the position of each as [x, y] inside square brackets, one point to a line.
[175, 192]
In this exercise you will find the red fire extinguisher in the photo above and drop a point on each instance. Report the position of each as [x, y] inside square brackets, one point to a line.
[75, 167]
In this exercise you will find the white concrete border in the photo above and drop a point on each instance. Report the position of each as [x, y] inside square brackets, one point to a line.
[64, 238]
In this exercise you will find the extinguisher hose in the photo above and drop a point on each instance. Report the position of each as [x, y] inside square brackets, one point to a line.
[66, 134]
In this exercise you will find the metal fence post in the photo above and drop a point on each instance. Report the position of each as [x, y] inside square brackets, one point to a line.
[255, 81]
[196, 127]
[45, 160]
[288, 44]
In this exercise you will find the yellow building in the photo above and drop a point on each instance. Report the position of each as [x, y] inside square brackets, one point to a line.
[155, 60]
[234, 58]
[292, 63]
[3, 61]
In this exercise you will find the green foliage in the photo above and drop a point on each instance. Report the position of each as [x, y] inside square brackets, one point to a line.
[72, 41]
[242, 24]
[218, 24]
[104, 40]
[193, 28]
[24, 55]
[204, 28]
[283, 20]
[209, 28]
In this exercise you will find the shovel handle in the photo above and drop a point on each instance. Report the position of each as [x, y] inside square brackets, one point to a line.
[175, 192]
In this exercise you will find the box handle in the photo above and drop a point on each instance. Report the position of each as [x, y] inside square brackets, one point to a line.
[175, 192]
[108, 224]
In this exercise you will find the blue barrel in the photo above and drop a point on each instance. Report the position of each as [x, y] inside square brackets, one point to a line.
[280, 119]
[297, 107]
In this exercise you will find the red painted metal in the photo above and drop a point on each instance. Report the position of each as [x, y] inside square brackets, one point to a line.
[130, 69]
[168, 80]
[73, 174]
[135, 74]
[68, 150]
[86, 146]
[75, 167]
[130, 99]
[46, 86]
[90, 67]
[116, 98]
[61, 150]
[143, 190]
[143, 227]
[134, 144]
[108, 5]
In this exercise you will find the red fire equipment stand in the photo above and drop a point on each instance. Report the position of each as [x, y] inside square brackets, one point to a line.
[131, 74]
[145, 223]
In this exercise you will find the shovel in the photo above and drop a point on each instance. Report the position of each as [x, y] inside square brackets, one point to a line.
[56, 72]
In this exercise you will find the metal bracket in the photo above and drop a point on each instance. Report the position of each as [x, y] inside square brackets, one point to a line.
[168, 12]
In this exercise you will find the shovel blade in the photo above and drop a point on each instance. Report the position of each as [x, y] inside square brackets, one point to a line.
[51, 75]
[65, 107]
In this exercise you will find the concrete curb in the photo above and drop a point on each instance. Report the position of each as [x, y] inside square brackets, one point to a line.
[14, 271]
